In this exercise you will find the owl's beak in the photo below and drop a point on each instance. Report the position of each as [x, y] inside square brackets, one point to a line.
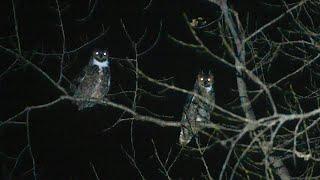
[206, 83]
[100, 56]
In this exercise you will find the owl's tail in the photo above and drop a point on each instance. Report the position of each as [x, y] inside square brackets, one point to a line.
[185, 136]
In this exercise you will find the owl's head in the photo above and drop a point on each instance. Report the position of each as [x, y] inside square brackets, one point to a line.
[205, 81]
[100, 55]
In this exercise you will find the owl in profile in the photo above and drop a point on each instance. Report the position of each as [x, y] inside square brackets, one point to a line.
[94, 81]
[196, 110]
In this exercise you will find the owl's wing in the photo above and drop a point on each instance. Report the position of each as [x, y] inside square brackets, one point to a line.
[188, 102]
[213, 95]
[185, 136]
[83, 79]
[189, 127]
[186, 132]
[87, 71]
[77, 80]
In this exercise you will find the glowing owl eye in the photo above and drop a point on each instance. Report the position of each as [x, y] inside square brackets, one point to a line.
[209, 79]
[105, 53]
[201, 79]
[97, 53]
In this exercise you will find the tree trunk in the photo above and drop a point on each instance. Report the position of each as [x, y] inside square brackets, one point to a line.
[276, 162]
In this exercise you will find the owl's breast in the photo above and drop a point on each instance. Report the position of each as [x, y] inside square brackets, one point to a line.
[100, 86]
[95, 84]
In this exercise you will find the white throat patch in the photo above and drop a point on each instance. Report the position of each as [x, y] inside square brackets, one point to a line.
[208, 89]
[101, 64]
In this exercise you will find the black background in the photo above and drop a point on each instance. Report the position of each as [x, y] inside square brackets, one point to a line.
[65, 140]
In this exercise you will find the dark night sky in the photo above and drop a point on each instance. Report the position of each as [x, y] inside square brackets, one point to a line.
[64, 140]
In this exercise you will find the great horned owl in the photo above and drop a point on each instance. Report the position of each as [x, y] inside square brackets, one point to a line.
[94, 81]
[196, 110]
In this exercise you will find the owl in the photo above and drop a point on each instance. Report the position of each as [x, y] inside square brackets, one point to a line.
[196, 110]
[94, 81]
